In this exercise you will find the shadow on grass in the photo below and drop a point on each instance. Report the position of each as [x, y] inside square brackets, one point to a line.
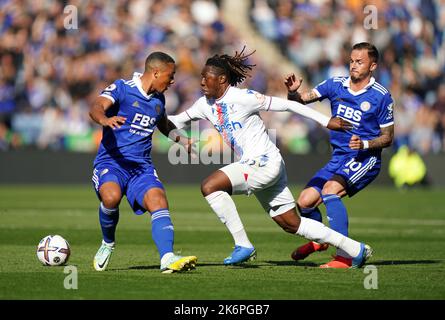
[376, 263]
[293, 263]
[401, 262]
[198, 265]
[268, 263]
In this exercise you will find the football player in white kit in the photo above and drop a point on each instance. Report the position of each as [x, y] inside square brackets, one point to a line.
[260, 169]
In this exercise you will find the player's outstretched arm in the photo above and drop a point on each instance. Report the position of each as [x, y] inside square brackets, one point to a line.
[292, 84]
[97, 113]
[384, 140]
[169, 129]
[279, 104]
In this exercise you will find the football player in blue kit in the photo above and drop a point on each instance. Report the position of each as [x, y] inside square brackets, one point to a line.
[356, 157]
[130, 111]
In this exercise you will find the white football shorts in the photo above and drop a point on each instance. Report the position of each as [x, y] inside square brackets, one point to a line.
[266, 179]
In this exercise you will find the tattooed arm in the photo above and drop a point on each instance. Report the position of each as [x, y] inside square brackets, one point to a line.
[292, 84]
[384, 140]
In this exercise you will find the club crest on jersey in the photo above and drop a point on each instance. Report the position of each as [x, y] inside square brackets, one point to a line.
[158, 109]
[135, 104]
[260, 97]
[365, 106]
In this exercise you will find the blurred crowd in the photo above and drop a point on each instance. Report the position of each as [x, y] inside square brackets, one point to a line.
[56, 57]
[317, 36]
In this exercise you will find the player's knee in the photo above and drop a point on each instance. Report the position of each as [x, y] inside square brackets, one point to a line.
[208, 187]
[290, 228]
[289, 222]
[155, 199]
[111, 199]
[329, 188]
[305, 201]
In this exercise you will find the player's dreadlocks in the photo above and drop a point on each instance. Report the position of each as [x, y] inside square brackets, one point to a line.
[234, 67]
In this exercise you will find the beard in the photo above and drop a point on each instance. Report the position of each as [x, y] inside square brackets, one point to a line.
[359, 77]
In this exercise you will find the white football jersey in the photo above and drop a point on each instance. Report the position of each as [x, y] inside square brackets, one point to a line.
[236, 117]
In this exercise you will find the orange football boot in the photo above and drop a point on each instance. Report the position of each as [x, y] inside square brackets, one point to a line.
[338, 262]
[302, 252]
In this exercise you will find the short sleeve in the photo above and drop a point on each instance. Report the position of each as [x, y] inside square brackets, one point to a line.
[385, 116]
[161, 98]
[114, 91]
[323, 89]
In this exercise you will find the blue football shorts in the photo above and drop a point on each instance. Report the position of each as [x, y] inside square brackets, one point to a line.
[358, 170]
[134, 182]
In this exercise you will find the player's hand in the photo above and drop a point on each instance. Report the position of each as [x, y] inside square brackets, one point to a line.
[339, 124]
[355, 143]
[114, 122]
[190, 145]
[292, 82]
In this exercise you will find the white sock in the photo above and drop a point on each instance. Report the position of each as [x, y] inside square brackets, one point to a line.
[224, 207]
[110, 244]
[317, 231]
[165, 257]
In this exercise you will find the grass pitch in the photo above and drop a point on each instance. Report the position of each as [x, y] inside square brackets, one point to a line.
[406, 231]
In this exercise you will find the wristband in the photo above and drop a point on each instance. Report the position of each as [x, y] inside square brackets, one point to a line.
[365, 144]
[292, 93]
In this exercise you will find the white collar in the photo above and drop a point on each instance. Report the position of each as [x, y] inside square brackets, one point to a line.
[347, 84]
[137, 81]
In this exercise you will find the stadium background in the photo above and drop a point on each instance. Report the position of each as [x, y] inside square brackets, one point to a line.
[49, 74]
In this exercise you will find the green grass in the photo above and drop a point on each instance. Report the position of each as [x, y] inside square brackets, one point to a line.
[406, 230]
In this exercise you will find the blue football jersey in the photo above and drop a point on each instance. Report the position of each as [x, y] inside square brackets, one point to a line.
[368, 110]
[131, 143]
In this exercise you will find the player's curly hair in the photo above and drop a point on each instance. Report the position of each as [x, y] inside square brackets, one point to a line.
[236, 67]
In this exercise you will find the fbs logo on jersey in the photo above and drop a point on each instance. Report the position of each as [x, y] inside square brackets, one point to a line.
[349, 113]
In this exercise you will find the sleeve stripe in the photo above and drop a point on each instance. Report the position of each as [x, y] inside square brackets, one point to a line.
[270, 102]
[188, 115]
[317, 93]
[107, 96]
[387, 124]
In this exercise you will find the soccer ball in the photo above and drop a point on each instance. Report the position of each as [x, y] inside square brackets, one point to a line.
[53, 250]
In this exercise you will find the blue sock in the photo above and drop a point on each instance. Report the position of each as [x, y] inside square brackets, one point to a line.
[336, 213]
[108, 219]
[162, 231]
[311, 213]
